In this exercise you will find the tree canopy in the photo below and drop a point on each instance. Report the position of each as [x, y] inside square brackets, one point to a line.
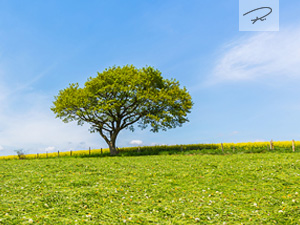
[119, 97]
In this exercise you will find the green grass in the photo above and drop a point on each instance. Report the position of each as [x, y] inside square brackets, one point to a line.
[166, 189]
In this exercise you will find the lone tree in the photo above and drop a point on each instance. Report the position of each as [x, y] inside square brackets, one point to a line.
[121, 96]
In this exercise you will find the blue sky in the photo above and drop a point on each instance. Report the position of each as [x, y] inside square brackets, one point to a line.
[244, 85]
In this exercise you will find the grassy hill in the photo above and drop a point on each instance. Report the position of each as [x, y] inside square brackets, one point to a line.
[170, 189]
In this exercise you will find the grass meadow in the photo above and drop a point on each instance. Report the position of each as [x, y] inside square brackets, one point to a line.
[160, 189]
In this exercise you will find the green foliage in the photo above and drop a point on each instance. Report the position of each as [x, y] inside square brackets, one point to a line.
[169, 149]
[20, 153]
[177, 189]
[119, 97]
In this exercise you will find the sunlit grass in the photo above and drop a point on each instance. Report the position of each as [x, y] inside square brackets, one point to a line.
[176, 189]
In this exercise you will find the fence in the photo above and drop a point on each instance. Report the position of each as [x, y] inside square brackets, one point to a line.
[222, 148]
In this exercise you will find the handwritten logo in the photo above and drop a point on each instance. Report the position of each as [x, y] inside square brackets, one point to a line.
[259, 18]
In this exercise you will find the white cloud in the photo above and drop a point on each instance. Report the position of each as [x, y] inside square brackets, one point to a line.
[50, 149]
[26, 121]
[37, 130]
[136, 142]
[264, 55]
[259, 140]
[1, 148]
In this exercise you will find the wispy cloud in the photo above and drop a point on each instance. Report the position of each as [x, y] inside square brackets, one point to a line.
[26, 121]
[136, 142]
[263, 55]
[37, 130]
[50, 149]
[29, 83]
[259, 140]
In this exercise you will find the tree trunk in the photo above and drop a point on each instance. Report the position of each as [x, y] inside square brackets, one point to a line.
[112, 148]
[111, 142]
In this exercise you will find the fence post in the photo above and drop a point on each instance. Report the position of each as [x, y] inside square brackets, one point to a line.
[293, 145]
[57, 153]
[46, 154]
[71, 153]
[271, 145]
[222, 147]
[233, 148]
[89, 150]
[37, 155]
[101, 151]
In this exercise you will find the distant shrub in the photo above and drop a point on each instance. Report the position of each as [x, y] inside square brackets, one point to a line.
[20, 153]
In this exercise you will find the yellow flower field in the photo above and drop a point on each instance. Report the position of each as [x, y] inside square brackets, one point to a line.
[249, 147]
[60, 154]
[260, 145]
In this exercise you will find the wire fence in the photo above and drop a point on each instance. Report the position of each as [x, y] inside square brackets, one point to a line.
[222, 148]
